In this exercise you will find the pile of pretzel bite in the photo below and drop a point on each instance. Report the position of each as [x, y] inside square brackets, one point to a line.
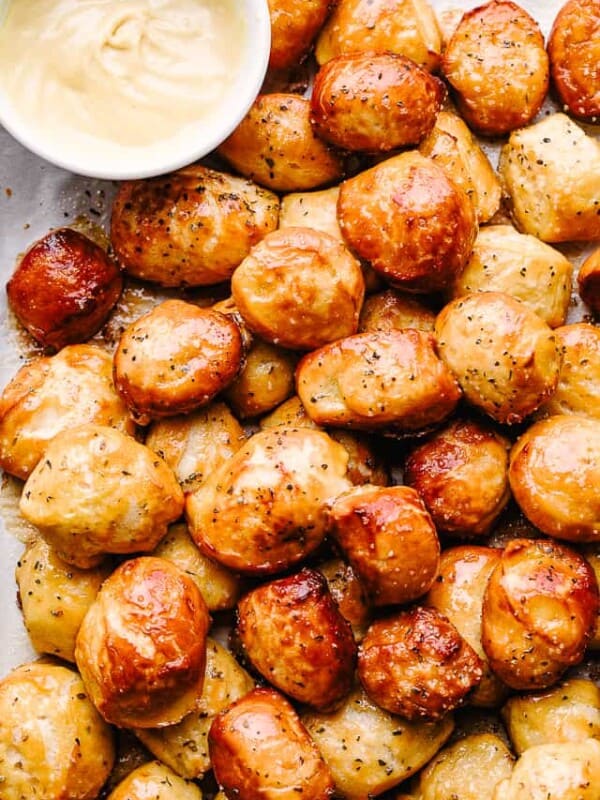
[352, 421]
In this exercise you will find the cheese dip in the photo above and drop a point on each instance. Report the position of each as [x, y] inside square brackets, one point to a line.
[105, 74]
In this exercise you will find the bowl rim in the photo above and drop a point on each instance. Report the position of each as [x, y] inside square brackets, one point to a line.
[225, 118]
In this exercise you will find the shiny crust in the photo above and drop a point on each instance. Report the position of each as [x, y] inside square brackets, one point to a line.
[389, 539]
[370, 750]
[569, 712]
[53, 742]
[259, 748]
[468, 768]
[293, 28]
[219, 586]
[391, 310]
[275, 146]
[195, 444]
[54, 597]
[157, 781]
[213, 221]
[64, 288]
[299, 288]
[498, 67]
[554, 475]
[458, 594]
[416, 664]
[504, 260]
[52, 394]
[588, 281]
[316, 210]
[452, 145]
[265, 509]
[175, 358]
[574, 52]
[265, 381]
[348, 593]
[539, 612]
[461, 473]
[391, 380]
[98, 491]
[566, 771]
[184, 746]
[551, 174]
[408, 27]
[409, 221]
[294, 635]
[141, 648]
[505, 357]
[579, 379]
[374, 102]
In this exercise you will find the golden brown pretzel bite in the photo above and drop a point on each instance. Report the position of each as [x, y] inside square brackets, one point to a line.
[539, 612]
[574, 51]
[497, 65]
[141, 648]
[293, 28]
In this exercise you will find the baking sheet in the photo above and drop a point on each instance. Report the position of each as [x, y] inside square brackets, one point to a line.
[34, 197]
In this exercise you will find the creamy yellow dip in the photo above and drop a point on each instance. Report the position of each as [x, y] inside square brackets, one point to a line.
[128, 72]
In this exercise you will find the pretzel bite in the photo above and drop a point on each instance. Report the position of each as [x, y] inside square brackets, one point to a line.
[504, 260]
[452, 145]
[505, 357]
[54, 597]
[461, 473]
[265, 509]
[555, 473]
[391, 380]
[365, 465]
[579, 378]
[498, 67]
[391, 310]
[467, 769]
[265, 381]
[588, 281]
[374, 101]
[410, 221]
[457, 593]
[568, 712]
[539, 612]
[293, 28]
[53, 743]
[290, 414]
[259, 748]
[195, 444]
[276, 146]
[370, 750]
[550, 172]
[416, 664]
[299, 288]
[157, 781]
[294, 635]
[592, 556]
[574, 52]
[141, 648]
[348, 593]
[565, 771]
[52, 394]
[175, 358]
[408, 27]
[184, 746]
[213, 221]
[64, 288]
[389, 539]
[98, 491]
[219, 586]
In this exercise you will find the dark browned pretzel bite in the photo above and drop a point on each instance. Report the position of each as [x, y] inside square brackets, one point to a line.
[64, 288]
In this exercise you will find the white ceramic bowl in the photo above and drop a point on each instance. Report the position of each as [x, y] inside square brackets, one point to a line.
[201, 138]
